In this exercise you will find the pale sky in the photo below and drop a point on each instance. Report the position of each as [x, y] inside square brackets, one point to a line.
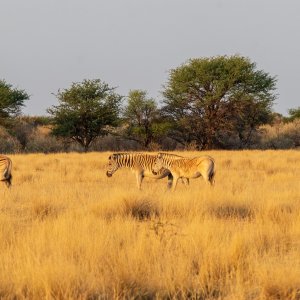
[132, 44]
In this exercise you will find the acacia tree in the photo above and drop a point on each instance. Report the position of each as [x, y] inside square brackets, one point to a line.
[11, 102]
[206, 98]
[86, 111]
[142, 118]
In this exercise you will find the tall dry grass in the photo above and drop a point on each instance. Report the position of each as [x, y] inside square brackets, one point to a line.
[69, 232]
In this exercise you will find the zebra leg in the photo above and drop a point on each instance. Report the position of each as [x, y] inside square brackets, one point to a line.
[170, 181]
[185, 181]
[209, 177]
[8, 181]
[212, 178]
[207, 180]
[175, 181]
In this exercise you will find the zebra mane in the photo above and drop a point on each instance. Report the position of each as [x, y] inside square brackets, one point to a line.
[128, 158]
[118, 154]
[164, 154]
[131, 159]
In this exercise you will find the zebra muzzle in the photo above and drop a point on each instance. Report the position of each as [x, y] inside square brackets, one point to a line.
[154, 173]
[108, 174]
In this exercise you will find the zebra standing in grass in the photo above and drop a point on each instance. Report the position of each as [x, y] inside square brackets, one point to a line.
[186, 167]
[142, 164]
[5, 170]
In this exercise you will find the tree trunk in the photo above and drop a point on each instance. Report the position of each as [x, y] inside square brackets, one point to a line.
[86, 147]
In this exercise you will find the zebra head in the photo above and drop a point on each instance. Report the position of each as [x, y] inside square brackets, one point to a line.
[158, 164]
[112, 165]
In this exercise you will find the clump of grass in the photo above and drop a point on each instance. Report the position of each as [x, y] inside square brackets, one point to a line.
[226, 163]
[281, 282]
[246, 163]
[141, 208]
[135, 289]
[273, 291]
[26, 178]
[165, 231]
[42, 210]
[281, 213]
[232, 211]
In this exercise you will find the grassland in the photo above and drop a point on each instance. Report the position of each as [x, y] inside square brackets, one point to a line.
[69, 232]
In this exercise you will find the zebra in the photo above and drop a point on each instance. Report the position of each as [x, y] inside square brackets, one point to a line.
[141, 163]
[186, 167]
[5, 170]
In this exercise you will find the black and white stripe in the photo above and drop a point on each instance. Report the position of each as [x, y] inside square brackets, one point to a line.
[5, 170]
[142, 164]
[200, 166]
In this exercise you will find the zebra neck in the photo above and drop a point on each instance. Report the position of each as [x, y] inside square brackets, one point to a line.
[167, 163]
[125, 161]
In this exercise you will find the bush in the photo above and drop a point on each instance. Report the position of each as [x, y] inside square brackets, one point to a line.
[114, 143]
[44, 142]
[281, 135]
[8, 144]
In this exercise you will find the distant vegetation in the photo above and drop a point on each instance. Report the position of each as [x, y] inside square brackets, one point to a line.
[207, 103]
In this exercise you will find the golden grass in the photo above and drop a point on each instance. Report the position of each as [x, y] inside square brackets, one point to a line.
[69, 232]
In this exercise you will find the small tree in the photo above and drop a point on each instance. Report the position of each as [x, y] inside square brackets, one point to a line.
[250, 115]
[294, 113]
[142, 118]
[86, 111]
[209, 97]
[22, 131]
[11, 102]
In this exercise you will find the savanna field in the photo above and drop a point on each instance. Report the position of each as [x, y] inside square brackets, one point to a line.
[69, 232]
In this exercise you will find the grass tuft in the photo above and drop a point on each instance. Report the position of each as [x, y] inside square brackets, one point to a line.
[140, 208]
[232, 211]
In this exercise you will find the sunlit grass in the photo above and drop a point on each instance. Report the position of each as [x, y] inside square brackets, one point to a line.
[69, 232]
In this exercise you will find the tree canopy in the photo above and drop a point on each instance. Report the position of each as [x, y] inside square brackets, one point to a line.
[11, 102]
[86, 110]
[142, 118]
[294, 113]
[207, 98]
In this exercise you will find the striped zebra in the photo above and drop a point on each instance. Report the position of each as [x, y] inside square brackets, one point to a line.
[185, 167]
[142, 164]
[5, 170]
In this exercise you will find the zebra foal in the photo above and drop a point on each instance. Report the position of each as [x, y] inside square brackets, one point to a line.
[5, 170]
[141, 164]
[186, 167]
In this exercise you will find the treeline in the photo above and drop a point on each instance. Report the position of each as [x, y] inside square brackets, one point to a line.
[31, 136]
[207, 103]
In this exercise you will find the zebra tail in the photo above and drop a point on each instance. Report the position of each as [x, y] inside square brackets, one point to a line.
[7, 172]
[212, 175]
